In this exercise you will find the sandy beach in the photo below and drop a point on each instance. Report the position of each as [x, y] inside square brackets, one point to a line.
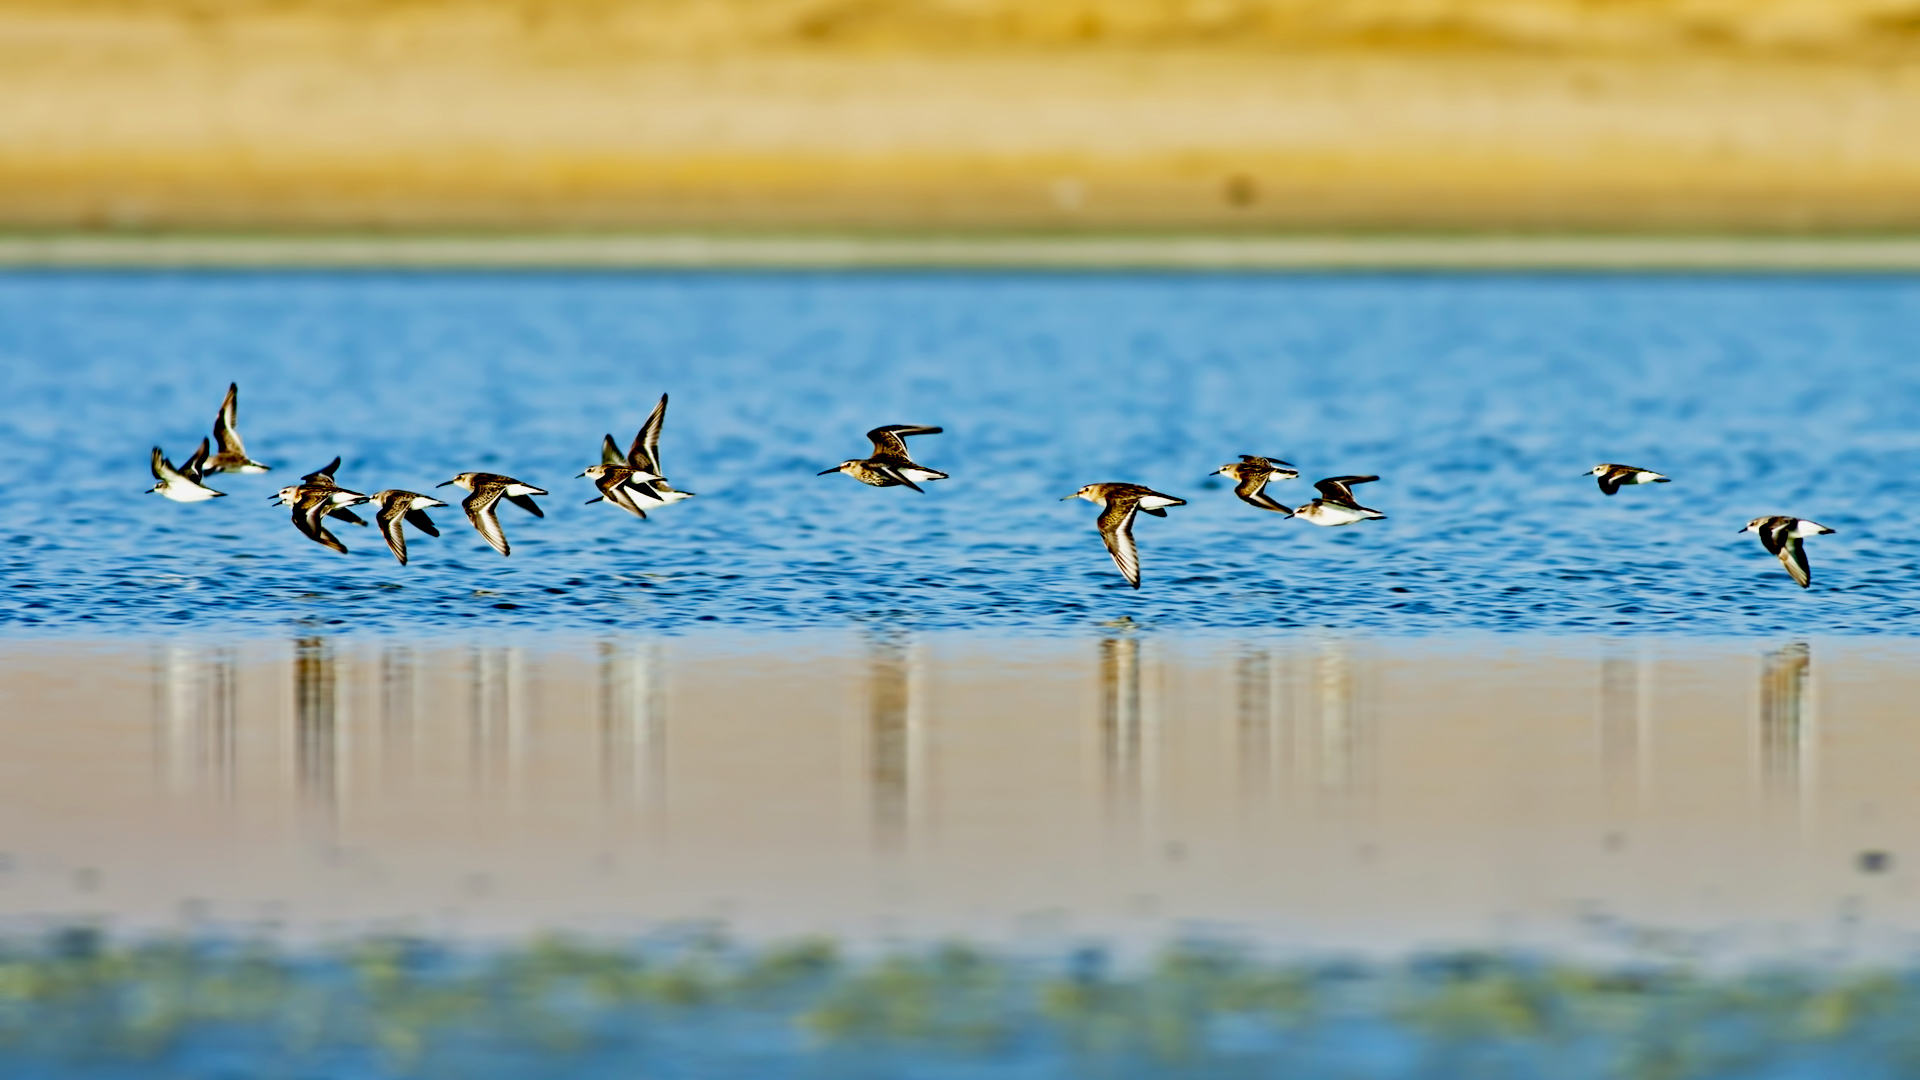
[128, 117]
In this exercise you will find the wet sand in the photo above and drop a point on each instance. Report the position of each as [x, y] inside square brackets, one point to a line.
[1327, 795]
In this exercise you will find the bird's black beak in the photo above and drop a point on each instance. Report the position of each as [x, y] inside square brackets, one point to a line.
[443, 485]
[826, 472]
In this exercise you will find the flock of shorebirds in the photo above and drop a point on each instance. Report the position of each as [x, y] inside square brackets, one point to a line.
[634, 482]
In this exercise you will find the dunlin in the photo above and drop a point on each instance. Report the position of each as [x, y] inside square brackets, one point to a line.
[1613, 476]
[488, 489]
[1252, 474]
[890, 465]
[1336, 505]
[1782, 536]
[398, 507]
[231, 455]
[1118, 505]
[182, 484]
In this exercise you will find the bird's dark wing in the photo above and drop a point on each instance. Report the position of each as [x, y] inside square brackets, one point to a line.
[479, 508]
[525, 502]
[422, 522]
[1337, 489]
[1793, 556]
[195, 467]
[644, 454]
[1116, 528]
[1611, 480]
[226, 425]
[890, 441]
[346, 515]
[610, 452]
[392, 518]
[323, 474]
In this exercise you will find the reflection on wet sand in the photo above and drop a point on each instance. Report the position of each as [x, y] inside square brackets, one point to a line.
[1787, 735]
[1123, 739]
[197, 726]
[1342, 790]
[633, 745]
[496, 733]
[1624, 720]
[895, 734]
[316, 725]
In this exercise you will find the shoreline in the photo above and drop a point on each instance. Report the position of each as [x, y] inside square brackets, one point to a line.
[698, 251]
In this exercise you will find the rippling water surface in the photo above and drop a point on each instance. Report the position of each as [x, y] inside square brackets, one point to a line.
[1479, 400]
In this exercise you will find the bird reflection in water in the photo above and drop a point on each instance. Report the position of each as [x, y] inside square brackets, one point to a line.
[316, 726]
[632, 726]
[894, 740]
[1623, 728]
[1263, 734]
[1787, 729]
[1341, 755]
[399, 713]
[496, 728]
[1125, 741]
[197, 736]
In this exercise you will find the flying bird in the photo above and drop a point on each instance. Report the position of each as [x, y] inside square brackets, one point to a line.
[488, 489]
[1612, 477]
[1118, 504]
[1782, 536]
[890, 465]
[621, 484]
[182, 484]
[397, 508]
[231, 455]
[1336, 504]
[1252, 474]
[311, 503]
[643, 456]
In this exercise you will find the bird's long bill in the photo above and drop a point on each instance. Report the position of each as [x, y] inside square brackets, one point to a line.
[826, 472]
[578, 475]
[443, 485]
[1744, 528]
[1066, 498]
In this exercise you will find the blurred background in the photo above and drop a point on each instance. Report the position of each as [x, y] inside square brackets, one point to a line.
[928, 115]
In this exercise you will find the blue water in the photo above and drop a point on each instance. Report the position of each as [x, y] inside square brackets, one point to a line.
[1479, 399]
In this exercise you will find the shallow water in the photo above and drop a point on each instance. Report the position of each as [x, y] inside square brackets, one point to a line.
[1478, 399]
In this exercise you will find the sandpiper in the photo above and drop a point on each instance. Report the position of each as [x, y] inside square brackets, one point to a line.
[890, 465]
[323, 477]
[398, 507]
[643, 456]
[231, 456]
[1118, 504]
[1613, 476]
[313, 502]
[1336, 505]
[620, 485]
[1252, 474]
[1782, 535]
[182, 484]
[488, 488]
